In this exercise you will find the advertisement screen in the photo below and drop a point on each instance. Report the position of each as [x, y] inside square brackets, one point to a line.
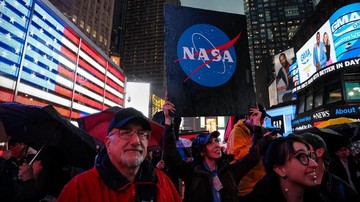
[283, 77]
[332, 47]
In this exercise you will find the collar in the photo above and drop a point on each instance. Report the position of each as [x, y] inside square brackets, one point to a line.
[115, 180]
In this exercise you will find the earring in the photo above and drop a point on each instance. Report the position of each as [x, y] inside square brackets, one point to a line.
[286, 189]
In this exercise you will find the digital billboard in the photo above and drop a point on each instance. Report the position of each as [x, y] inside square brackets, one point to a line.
[283, 78]
[334, 46]
[45, 59]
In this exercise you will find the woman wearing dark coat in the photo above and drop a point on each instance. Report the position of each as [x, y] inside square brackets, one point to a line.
[210, 177]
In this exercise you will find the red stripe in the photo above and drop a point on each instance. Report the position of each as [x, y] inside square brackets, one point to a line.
[92, 70]
[71, 36]
[114, 98]
[95, 55]
[116, 72]
[68, 53]
[116, 86]
[6, 95]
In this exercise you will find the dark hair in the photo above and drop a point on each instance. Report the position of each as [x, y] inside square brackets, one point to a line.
[198, 144]
[280, 150]
[13, 140]
[317, 142]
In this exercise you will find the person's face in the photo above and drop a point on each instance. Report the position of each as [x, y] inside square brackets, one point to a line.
[318, 38]
[283, 60]
[325, 38]
[127, 151]
[295, 171]
[343, 152]
[37, 167]
[18, 150]
[212, 149]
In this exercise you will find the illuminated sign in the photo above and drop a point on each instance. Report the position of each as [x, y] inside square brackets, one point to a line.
[55, 64]
[206, 55]
[335, 45]
[305, 120]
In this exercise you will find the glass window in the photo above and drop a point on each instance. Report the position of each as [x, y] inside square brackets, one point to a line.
[301, 106]
[333, 93]
[82, 24]
[88, 28]
[352, 90]
[309, 102]
[318, 98]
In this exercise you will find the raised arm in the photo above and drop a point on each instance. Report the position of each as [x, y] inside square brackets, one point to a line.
[171, 154]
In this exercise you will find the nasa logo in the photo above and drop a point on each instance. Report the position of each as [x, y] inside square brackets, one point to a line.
[346, 23]
[305, 56]
[206, 55]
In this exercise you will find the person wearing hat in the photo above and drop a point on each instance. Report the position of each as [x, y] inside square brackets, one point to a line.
[239, 143]
[210, 176]
[121, 172]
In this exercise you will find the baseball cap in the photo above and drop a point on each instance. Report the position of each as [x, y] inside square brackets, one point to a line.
[122, 117]
[201, 140]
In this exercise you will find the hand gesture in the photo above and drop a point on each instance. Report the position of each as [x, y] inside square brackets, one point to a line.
[256, 115]
[161, 164]
[168, 107]
[25, 172]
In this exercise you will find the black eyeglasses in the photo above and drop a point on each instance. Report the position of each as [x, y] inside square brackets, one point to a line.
[305, 158]
[127, 134]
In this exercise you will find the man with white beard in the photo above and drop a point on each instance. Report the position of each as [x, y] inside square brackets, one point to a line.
[121, 172]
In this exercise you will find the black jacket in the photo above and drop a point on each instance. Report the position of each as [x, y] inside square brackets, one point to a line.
[198, 180]
[268, 189]
[334, 189]
[337, 168]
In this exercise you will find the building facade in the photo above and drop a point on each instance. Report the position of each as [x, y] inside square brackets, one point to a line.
[329, 95]
[142, 42]
[271, 26]
[45, 59]
[92, 17]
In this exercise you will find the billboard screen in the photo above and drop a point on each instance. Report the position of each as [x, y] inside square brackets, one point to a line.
[44, 59]
[283, 78]
[207, 62]
[334, 46]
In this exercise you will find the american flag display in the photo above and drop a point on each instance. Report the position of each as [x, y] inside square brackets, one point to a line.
[44, 60]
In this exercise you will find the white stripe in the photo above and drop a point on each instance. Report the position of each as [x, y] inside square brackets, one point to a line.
[113, 91]
[84, 108]
[7, 83]
[115, 79]
[92, 62]
[42, 95]
[89, 93]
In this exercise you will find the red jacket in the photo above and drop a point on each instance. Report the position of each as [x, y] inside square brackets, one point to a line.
[105, 183]
[88, 186]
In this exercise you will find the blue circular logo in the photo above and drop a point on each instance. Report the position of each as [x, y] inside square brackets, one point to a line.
[206, 55]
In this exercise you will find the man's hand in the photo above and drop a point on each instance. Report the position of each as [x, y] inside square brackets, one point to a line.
[161, 164]
[25, 172]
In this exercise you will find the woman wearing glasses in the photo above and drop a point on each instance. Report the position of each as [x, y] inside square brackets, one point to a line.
[290, 168]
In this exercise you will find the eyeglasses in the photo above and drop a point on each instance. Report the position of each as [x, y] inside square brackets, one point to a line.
[305, 158]
[127, 134]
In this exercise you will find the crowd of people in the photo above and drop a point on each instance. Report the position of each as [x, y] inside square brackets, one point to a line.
[256, 166]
